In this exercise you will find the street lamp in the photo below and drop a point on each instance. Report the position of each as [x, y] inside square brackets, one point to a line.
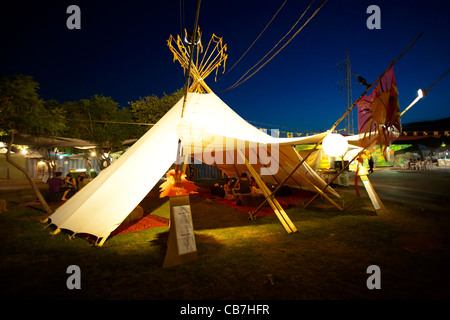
[423, 92]
[420, 94]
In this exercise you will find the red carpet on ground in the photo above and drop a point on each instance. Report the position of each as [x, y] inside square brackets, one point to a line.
[38, 203]
[147, 222]
[292, 200]
[153, 221]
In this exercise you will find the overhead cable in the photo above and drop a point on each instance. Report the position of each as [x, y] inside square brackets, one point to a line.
[241, 80]
[267, 25]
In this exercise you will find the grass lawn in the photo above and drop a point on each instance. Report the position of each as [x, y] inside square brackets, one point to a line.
[237, 259]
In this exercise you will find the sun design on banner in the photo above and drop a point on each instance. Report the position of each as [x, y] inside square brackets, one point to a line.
[379, 114]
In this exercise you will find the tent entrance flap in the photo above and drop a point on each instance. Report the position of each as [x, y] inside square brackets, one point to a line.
[319, 191]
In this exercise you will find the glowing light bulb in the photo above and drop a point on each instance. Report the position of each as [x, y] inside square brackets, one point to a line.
[335, 145]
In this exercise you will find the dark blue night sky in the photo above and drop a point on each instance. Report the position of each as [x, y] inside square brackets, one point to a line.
[121, 52]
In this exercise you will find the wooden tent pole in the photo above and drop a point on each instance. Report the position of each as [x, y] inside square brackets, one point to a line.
[191, 51]
[331, 181]
[277, 208]
[317, 189]
[373, 196]
[102, 242]
[374, 83]
[191, 54]
[342, 118]
[342, 170]
[400, 115]
[287, 177]
[324, 195]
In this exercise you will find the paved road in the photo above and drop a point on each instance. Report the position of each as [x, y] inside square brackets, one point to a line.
[424, 190]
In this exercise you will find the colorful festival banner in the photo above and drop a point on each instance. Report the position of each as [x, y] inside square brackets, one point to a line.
[379, 113]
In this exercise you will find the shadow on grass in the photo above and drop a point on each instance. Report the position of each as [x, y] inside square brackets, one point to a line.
[321, 208]
[162, 238]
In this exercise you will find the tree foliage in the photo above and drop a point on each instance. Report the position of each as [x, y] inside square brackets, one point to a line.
[97, 120]
[151, 108]
[101, 121]
[22, 110]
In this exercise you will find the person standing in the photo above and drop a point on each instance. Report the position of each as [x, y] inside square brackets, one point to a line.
[371, 164]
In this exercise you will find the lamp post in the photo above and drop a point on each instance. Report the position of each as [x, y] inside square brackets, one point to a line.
[423, 92]
[420, 94]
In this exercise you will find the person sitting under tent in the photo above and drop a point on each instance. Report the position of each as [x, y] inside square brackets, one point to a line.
[70, 187]
[252, 183]
[55, 188]
[228, 188]
[81, 180]
[254, 187]
[242, 185]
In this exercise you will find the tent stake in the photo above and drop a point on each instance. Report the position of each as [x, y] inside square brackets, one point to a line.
[58, 230]
[102, 242]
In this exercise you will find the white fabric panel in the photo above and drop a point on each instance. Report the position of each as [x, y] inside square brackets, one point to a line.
[208, 121]
[101, 206]
[212, 131]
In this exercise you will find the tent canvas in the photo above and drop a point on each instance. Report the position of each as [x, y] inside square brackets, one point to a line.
[209, 126]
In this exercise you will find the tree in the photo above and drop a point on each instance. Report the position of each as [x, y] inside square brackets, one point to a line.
[151, 108]
[50, 153]
[101, 121]
[21, 110]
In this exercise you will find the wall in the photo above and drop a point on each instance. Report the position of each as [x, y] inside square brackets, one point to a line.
[7, 171]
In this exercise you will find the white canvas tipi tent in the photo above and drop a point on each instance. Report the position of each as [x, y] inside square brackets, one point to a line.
[209, 127]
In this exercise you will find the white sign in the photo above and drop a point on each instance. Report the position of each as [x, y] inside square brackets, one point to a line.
[184, 229]
[371, 194]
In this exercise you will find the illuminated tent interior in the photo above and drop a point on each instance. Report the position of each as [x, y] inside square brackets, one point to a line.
[208, 126]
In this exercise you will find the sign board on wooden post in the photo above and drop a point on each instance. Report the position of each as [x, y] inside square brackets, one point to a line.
[181, 246]
[376, 202]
